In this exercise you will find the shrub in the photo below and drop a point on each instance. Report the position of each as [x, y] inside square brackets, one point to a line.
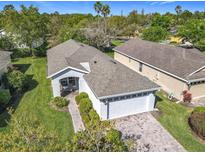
[86, 119]
[4, 96]
[85, 105]
[17, 80]
[197, 121]
[80, 96]
[94, 117]
[60, 101]
[21, 52]
[187, 97]
[113, 136]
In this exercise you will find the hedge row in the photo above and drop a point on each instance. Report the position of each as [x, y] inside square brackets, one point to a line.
[197, 121]
[112, 138]
[88, 114]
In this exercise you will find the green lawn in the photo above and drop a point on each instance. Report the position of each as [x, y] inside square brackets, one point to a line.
[117, 42]
[34, 103]
[174, 117]
[110, 52]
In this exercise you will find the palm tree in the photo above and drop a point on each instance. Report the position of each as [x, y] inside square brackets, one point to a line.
[178, 10]
[105, 11]
[98, 8]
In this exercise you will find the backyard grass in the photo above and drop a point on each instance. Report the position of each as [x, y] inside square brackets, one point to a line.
[110, 52]
[116, 42]
[174, 117]
[34, 103]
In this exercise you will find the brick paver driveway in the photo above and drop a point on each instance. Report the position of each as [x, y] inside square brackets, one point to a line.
[147, 132]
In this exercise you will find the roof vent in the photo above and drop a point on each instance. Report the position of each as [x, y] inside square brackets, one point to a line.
[95, 62]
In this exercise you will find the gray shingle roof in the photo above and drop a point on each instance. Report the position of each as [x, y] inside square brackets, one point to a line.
[175, 60]
[107, 76]
[4, 60]
[198, 75]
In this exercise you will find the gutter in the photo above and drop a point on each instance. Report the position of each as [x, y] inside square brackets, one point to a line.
[130, 93]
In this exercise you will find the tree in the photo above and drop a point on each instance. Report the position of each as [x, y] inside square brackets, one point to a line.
[185, 16]
[194, 31]
[161, 21]
[98, 8]
[132, 17]
[105, 11]
[155, 34]
[178, 9]
[115, 25]
[17, 80]
[131, 30]
[96, 37]
[28, 27]
[28, 134]
[8, 8]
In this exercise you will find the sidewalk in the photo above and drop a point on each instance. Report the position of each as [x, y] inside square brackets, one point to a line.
[75, 114]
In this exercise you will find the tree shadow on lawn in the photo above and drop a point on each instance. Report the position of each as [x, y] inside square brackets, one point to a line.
[22, 67]
[5, 116]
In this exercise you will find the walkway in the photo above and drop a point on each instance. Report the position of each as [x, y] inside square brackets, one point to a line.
[148, 134]
[75, 114]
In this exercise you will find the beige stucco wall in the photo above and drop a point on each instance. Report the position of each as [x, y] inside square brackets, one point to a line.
[198, 90]
[167, 82]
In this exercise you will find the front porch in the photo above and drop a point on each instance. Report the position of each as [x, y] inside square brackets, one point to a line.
[68, 85]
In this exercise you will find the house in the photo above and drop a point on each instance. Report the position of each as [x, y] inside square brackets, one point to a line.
[5, 62]
[114, 89]
[173, 68]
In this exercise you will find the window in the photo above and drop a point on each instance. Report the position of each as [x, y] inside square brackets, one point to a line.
[140, 67]
[71, 80]
[64, 82]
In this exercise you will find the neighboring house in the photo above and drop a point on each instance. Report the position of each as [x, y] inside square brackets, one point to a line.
[5, 61]
[114, 89]
[174, 68]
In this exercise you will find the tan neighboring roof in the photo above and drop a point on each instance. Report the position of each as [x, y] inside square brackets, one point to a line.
[106, 77]
[175, 60]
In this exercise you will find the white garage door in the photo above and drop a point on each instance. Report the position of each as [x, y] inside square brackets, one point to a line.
[128, 107]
